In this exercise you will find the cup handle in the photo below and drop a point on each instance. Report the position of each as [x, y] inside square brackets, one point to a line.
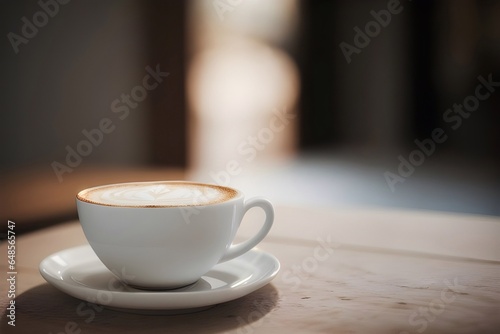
[243, 247]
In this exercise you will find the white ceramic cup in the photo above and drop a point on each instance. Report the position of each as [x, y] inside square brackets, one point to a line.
[159, 246]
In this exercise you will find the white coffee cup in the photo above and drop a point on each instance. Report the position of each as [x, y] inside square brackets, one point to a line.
[166, 234]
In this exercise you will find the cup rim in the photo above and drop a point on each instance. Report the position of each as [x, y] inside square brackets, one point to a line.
[237, 194]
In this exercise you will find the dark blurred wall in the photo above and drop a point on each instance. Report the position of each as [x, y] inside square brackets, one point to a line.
[64, 79]
[389, 92]
[377, 75]
[71, 68]
[467, 47]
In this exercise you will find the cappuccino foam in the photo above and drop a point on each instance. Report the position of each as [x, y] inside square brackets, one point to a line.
[157, 194]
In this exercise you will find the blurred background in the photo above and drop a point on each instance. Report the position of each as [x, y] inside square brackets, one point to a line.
[316, 103]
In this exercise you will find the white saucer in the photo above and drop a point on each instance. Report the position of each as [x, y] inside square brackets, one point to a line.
[79, 273]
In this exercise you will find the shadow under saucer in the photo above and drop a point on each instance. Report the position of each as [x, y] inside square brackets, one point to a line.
[46, 309]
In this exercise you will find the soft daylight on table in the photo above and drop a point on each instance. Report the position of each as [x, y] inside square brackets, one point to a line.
[250, 166]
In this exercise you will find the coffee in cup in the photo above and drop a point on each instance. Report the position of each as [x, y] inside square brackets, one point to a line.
[166, 234]
[157, 194]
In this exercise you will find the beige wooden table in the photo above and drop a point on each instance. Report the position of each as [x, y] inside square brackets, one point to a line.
[342, 271]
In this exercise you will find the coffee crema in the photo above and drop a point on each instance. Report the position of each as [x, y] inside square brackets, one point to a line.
[157, 194]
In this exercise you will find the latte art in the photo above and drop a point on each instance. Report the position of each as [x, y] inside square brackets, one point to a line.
[142, 194]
